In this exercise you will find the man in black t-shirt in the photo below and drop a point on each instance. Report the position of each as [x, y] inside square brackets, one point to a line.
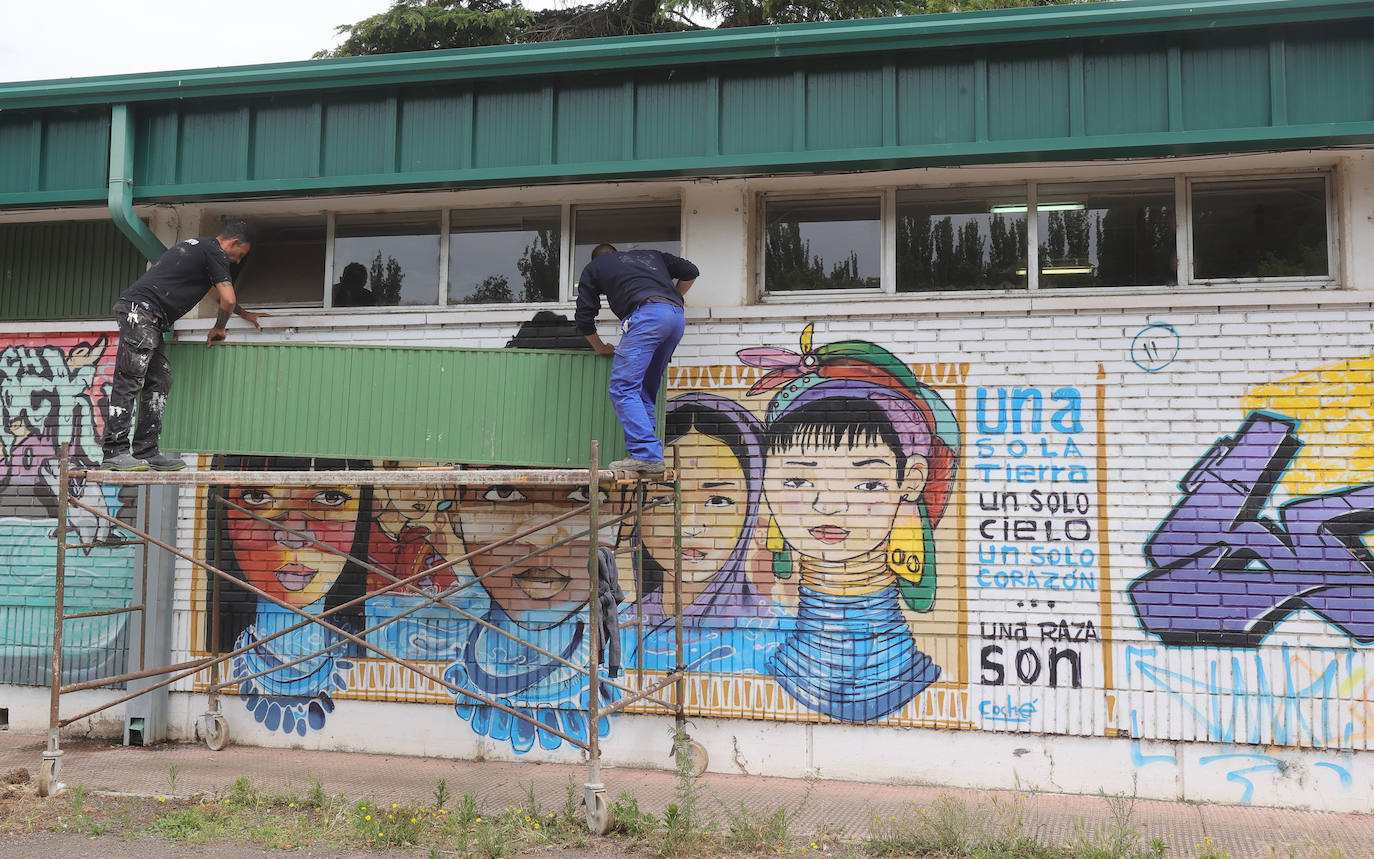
[173, 285]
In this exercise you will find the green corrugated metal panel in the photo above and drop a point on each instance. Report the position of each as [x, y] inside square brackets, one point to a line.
[478, 406]
[844, 108]
[509, 126]
[56, 155]
[936, 101]
[1138, 67]
[359, 136]
[591, 123]
[283, 133]
[758, 113]
[673, 116]
[1028, 95]
[435, 130]
[72, 270]
[1225, 80]
[1142, 93]
[1316, 90]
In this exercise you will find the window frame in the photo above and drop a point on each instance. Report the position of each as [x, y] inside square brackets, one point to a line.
[887, 248]
[1183, 238]
[1332, 255]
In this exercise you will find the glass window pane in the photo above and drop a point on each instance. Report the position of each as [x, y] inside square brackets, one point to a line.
[285, 267]
[503, 255]
[822, 244]
[386, 260]
[961, 238]
[1259, 228]
[632, 228]
[1107, 234]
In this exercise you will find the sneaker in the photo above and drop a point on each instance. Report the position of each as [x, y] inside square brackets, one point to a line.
[165, 462]
[643, 466]
[124, 462]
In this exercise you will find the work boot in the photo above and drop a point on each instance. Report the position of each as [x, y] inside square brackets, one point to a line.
[124, 462]
[643, 466]
[165, 462]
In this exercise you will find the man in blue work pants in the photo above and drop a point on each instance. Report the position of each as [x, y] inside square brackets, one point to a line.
[644, 289]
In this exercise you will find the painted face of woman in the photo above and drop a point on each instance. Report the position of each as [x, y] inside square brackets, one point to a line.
[543, 591]
[715, 499]
[286, 566]
[837, 504]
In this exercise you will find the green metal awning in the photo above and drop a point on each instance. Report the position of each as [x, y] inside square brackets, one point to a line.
[1099, 80]
[513, 407]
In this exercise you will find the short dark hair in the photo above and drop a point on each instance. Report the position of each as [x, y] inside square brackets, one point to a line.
[237, 230]
[602, 248]
[836, 421]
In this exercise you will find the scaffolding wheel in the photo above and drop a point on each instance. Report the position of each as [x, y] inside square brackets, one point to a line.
[600, 820]
[216, 731]
[699, 759]
[47, 776]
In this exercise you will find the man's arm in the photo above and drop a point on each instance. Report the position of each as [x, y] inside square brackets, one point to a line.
[227, 304]
[588, 304]
[684, 285]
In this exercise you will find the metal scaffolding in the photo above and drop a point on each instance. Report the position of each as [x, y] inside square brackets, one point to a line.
[214, 724]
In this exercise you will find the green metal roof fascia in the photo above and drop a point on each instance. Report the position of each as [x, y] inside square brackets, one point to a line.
[121, 198]
[44, 199]
[1126, 17]
[874, 158]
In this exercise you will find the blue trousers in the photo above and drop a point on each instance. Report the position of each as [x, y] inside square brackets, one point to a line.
[651, 333]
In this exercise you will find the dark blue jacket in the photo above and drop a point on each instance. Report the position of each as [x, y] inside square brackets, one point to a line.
[628, 279]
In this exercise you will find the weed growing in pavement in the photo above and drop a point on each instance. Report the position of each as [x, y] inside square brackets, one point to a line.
[1118, 838]
[770, 831]
[949, 827]
[441, 795]
[172, 773]
[685, 827]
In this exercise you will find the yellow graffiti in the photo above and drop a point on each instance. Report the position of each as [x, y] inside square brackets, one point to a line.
[1335, 403]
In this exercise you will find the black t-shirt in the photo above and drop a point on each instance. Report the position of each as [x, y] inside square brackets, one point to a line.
[180, 278]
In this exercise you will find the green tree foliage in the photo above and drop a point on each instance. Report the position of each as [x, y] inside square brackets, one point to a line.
[426, 25]
[386, 280]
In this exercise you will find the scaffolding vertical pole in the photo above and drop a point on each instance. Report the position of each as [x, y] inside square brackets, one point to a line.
[52, 754]
[594, 791]
[679, 688]
[637, 561]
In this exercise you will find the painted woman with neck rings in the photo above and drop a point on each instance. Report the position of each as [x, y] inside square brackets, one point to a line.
[728, 626]
[860, 462]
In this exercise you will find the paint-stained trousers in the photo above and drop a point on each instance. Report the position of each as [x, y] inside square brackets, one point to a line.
[142, 379]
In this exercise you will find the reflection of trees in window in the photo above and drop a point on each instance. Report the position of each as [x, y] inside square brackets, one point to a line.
[539, 266]
[790, 264]
[386, 280]
[492, 290]
[1125, 245]
[982, 252]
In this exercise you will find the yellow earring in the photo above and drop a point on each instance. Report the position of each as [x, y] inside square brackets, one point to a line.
[906, 558]
[782, 558]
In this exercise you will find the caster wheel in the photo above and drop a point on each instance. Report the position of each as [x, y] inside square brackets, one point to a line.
[47, 777]
[216, 732]
[600, 820]
[699, 759]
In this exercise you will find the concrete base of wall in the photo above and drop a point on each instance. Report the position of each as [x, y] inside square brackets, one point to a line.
[1197, 772]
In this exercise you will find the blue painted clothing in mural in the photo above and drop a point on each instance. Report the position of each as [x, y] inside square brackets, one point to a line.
[520, 677]
[725, 645]
[852, 657]
[296, 699]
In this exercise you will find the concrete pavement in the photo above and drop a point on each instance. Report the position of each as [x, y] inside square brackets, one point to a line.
[1244, 831]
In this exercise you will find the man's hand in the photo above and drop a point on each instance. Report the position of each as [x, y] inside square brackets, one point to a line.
[216, 335]
[251, 317]
[599, 346]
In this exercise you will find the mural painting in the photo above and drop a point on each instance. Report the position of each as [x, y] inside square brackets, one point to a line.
[52, 392]
[822, 538]
[1259, 577]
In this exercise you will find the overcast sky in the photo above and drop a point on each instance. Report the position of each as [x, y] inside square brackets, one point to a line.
[82, 38]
